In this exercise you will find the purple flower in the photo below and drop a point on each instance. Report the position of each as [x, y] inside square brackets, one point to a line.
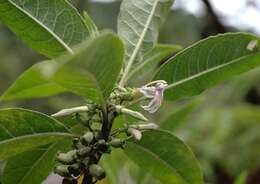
[153, 90]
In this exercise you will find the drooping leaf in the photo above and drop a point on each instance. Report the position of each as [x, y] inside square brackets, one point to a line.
[35, 165]
[22, 129]
[152, 59]
[93, 70]
[50, 27]
[166, 158]
[33, 83]
[139, 23]
[207, 63]
[178, 116]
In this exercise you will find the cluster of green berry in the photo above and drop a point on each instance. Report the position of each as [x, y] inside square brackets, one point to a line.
[87, 150]
[99, 138]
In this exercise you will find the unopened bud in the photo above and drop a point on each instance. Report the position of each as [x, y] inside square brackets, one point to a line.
[87, 138]
[67, 112]
[117, 143]
[137, 134]
[67, 158]
[83, 151]
[149, 126]
[97, 171]
[62, 170]
[130, 112]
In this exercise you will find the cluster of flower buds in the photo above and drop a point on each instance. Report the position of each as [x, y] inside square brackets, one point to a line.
[87, 150]
[120, 95]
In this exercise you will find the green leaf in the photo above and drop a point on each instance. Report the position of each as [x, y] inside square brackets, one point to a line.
[178, 116]
[207, 63]
[90, 25]
[166, 158]
[22, 129]
[33, 83]
[152, 59]
[138, 26]
[113, 164]
[35, 165]
[241, 178]
[50, 27]
[93, 70]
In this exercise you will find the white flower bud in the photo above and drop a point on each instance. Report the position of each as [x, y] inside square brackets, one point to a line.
[130, 112]
[149, 126]
[137, 134]
[67, 112]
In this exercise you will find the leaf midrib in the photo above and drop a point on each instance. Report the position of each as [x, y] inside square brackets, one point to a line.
[34, 165]
[43, 26]
[38, 86]
[138, 45]
[156, 157]
[206, 71]
[35, 135]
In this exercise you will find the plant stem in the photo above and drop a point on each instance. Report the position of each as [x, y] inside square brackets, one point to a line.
[87, 179]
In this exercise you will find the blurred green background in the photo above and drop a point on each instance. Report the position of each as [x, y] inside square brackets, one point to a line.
[222, 125]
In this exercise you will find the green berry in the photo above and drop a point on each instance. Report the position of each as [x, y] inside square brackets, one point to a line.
[62, 170]
[83, 151]
[67, 158]
[117, 143]
[97, 171]
[87, 138]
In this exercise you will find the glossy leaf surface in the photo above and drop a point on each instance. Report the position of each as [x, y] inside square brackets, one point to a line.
[49, 27]
[207, 63]
[22, 129]
[166, 157]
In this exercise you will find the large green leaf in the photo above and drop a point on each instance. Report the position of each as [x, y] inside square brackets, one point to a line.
[33, 83]
[93, 70]
[166, 158]
[33, 166]
[207, 63]
[179, 115]
[22, 129]
[152, 59]
[138, 26]
[50, 27]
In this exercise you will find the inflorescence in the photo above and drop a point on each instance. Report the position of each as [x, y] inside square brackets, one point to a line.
[99, 138]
